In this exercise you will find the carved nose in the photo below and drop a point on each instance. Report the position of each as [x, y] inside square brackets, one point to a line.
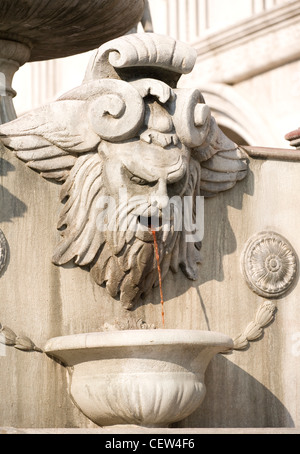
[160, 199]
[161, 202]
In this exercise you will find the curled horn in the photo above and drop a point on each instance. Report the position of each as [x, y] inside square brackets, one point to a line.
[141, 50]
[153, 87]
[115, 108]
[191, 117]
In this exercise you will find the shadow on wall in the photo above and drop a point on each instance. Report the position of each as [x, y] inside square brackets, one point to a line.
[219, 237]
[235, 399]
[10, 206]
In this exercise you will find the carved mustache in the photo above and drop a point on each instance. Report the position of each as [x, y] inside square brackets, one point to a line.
[136, 218]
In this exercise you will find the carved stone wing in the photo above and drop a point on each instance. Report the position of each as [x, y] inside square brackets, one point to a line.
[50, 138]
[223, 163]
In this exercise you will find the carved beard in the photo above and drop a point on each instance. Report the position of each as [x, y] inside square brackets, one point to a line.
[127, 264]
[121, 259]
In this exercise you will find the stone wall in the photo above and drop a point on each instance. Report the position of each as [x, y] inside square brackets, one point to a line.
[256, 387]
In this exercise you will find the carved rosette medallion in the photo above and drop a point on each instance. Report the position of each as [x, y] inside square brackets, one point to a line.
[269, 264]
[3, 250]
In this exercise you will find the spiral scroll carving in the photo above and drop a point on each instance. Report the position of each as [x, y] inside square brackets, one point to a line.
[141, 50]
[269, 264]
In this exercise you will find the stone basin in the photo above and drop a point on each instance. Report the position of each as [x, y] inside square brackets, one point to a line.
[142, 377]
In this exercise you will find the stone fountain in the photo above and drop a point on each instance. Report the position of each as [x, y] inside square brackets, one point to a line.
[126, 159]
[130, 144]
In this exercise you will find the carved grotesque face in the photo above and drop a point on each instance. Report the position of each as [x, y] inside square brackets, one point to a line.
[150, 174]
[150, 170]
[143, 176]
[145, 169]
[128, 145]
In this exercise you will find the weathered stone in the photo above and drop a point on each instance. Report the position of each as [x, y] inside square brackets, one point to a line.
[147, 378]
[33, 30]
[57, 301]
[58, 28]
[127, 128]
[47, 301]
[270, 264]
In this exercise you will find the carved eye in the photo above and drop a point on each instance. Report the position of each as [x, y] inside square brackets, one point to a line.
[138, 180]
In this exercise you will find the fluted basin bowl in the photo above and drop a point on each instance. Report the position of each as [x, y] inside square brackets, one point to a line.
[141, 377]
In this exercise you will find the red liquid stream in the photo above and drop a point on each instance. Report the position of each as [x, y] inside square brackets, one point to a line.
[159, 276]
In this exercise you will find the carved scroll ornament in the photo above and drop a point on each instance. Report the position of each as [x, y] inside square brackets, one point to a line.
[128, 127]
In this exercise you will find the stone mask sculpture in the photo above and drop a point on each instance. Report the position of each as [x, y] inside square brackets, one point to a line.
[127, 130]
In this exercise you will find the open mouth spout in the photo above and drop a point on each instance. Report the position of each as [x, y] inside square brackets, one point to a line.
[148, 225]
[151, 223]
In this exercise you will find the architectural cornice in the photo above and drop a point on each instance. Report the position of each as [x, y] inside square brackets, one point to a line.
[253, 46]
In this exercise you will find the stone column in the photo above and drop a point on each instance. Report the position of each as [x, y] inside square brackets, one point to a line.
[12, 55]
